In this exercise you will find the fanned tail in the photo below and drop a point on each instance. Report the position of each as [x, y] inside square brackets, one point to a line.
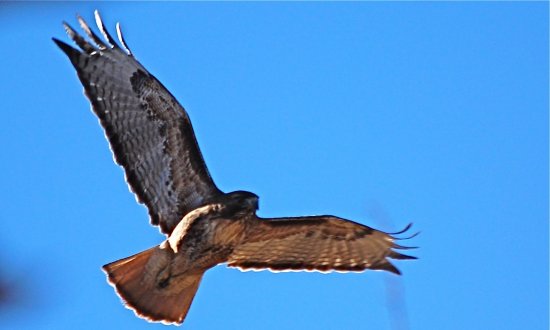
[146, 285]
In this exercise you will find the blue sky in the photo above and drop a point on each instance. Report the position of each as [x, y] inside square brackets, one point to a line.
[385, 113]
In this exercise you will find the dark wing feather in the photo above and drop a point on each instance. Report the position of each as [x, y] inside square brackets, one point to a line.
[149, 132]
[321, 243]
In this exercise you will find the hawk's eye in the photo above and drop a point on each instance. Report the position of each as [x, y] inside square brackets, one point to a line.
[163, 283]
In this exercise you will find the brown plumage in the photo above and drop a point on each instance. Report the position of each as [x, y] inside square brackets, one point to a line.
[151, 137]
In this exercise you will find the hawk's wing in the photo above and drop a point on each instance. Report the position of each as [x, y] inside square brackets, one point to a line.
[149, 132]
[321, 243]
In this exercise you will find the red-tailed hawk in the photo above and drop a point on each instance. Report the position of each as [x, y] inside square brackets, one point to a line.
[152, 139]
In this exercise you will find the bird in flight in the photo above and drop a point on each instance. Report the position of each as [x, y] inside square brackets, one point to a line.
[151, 137]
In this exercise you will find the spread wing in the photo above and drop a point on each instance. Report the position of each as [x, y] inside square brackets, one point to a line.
[149, 132]
[321, 243]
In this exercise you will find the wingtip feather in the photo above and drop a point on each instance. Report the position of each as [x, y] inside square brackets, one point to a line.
[386, 266]
[91, 34]
[407, 227]
[121, 39]
[71, 52]
[104, 31]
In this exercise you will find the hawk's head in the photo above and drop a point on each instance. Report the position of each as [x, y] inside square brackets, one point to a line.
[243, 201]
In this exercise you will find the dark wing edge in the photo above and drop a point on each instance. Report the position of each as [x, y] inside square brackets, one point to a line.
[318, 243]
[149, 132]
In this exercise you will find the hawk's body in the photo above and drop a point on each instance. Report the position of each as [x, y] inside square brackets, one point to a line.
[152, 138]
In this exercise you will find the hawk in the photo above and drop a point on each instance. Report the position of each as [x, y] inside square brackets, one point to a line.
[151, 137]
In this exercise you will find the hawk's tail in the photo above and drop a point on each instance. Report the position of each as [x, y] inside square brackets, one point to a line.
[147, 286]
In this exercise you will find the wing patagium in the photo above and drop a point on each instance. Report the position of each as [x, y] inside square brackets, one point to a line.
[149, 132]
